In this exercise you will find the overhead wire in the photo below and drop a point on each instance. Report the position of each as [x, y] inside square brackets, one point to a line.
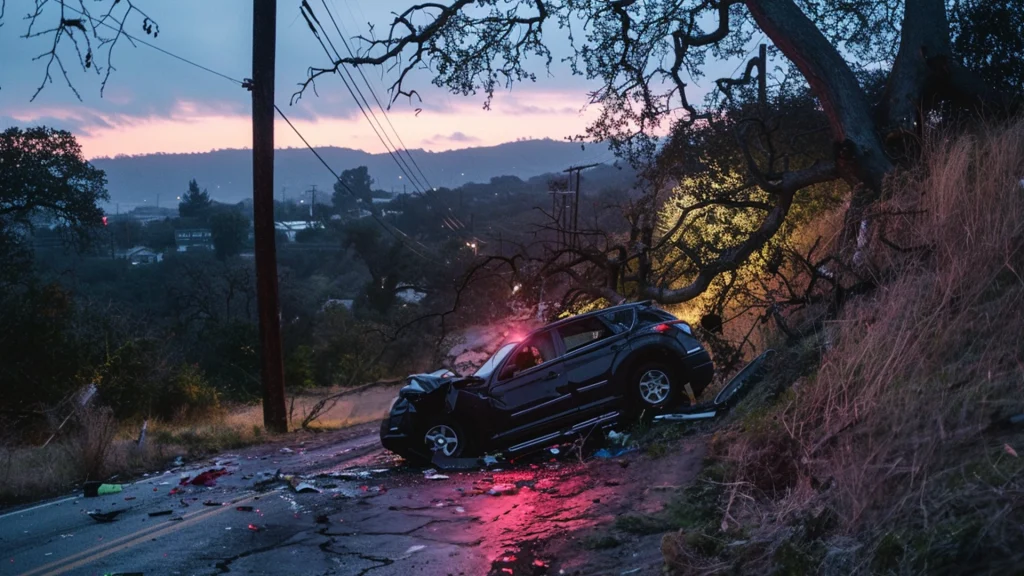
[373, 93]
[310, 18]
[428, 188]
[405, 239]
[94, 21]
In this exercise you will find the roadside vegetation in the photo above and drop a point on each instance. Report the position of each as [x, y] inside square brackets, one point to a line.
[881, 442]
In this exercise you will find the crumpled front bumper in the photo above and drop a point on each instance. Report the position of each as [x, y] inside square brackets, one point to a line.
[398, 429]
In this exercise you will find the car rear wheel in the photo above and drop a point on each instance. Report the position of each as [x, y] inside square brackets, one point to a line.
[654, 386]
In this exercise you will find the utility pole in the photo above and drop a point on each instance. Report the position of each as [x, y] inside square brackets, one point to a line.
[264, 39]
[576, 202]
[312, 200]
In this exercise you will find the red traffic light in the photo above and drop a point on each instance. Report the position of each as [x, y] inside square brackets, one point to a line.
[104, 220]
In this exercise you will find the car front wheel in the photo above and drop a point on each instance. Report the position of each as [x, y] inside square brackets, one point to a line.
[445, 438]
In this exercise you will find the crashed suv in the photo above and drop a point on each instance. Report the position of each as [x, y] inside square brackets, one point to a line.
[560, 380]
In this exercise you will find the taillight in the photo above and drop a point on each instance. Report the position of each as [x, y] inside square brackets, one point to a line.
[666, 326]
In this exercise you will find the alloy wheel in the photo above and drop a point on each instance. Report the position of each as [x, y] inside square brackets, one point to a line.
[654, 387]
[442, 438]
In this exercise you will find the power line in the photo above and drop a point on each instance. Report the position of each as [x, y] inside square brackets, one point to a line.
[153, 46]
[380, 106]
[391, 230]
[351, 192]
[452, 223]
[306, 8]
[374, 94]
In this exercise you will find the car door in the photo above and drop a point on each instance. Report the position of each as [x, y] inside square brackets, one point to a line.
[529, 396]
[591, 346]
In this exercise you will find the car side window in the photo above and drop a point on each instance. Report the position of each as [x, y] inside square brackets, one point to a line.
[582, 332]
[534, 351]
[620, 320]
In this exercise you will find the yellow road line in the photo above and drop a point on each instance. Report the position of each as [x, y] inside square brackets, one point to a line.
[146, 534]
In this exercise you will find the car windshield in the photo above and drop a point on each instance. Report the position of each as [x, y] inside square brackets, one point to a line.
[492, 362]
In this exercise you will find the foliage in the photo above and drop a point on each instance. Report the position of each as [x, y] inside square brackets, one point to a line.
[44, 181]
[188, 394]
[354, 186]
[230, 231]
[987, 37]
[195, 203]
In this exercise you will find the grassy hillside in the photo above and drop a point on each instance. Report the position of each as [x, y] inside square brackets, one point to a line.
[889, 449]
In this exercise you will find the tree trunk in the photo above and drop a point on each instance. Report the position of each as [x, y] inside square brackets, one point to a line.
[924, 37]
[860, 156]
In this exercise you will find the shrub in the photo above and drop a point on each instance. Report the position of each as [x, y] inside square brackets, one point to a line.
[189, 395]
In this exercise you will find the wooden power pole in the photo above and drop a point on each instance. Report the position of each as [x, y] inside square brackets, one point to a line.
[576, 201]
[264, 37]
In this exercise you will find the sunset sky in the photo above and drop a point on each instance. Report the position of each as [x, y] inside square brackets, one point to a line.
[154, 103]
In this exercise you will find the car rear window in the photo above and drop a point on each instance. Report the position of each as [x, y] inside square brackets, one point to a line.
[582, 332]
[653, 316]
[619, 320]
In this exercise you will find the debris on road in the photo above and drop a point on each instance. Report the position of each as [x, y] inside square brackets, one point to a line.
[305, 487]
[618, 438]
[104, 516]
[208, 478]
[266, 477]
[93, 489]
[606, 453]
[503, 489]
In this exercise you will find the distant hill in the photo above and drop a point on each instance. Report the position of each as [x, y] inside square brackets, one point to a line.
[227, 174]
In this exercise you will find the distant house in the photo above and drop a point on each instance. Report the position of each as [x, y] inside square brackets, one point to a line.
[189, 239]
[409, 294]
[147, 214]
[142, 255]
[345, 303]
[290, 228]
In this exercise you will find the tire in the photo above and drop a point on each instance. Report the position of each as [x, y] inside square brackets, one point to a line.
[446, 437]
[653, 386]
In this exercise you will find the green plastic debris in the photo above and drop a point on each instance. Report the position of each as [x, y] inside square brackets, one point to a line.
[105, 489]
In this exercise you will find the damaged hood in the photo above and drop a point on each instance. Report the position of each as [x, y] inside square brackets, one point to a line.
[417, 384]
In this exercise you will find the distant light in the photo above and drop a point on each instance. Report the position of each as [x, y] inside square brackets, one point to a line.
[516, 288]
[179, 197]
[399, 177]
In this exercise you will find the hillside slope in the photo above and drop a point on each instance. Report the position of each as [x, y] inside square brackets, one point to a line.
[892, 445]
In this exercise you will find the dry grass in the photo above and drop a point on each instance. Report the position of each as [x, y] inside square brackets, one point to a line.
[896, 439]
[94, 446]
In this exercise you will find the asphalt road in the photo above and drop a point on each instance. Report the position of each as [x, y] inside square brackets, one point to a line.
[370, 515]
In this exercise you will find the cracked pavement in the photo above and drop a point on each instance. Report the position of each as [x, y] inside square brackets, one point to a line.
[372, 516]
